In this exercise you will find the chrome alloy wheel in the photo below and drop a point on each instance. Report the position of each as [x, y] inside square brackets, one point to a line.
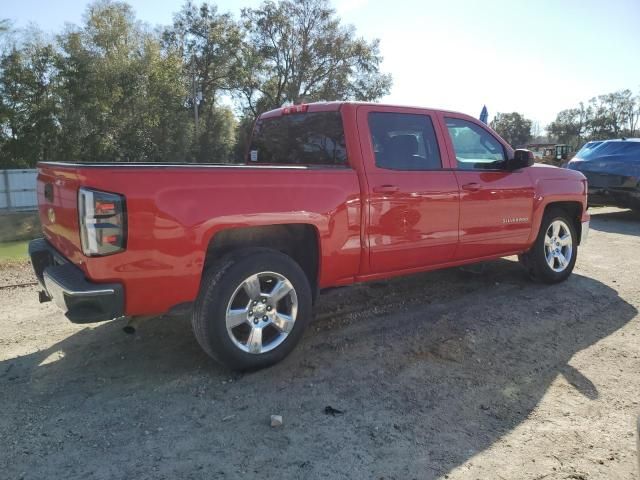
[261, 312]
[558, 246]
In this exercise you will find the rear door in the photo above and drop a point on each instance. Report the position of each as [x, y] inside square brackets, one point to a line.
[495, 204]
[412, 195]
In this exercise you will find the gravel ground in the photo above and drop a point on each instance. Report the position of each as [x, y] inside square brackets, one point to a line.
[470, 373]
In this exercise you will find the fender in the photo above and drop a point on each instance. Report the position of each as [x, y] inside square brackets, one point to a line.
[548, 191]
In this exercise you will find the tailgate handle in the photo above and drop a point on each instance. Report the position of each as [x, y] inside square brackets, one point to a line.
[48, 192]
[471, 187]
[386, 189]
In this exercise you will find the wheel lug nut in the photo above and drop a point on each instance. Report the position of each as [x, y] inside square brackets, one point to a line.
[250, 312]
[264, 300]
[265, 318]
[268, 308]
[255, 321]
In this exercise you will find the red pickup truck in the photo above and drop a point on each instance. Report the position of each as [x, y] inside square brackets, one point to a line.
[330, 194]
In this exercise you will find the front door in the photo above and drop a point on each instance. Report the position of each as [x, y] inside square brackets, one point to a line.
[412, 199]
[495, 204]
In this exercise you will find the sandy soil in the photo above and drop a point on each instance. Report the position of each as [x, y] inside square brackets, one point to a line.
[458, 374]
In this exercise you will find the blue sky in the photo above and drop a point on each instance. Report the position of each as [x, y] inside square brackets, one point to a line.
[533, 57]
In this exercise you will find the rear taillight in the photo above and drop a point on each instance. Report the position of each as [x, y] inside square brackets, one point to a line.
[302, 108]
[103, 228]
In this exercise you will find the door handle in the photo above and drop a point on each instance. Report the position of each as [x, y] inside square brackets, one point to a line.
[386, 189]
[471, 187]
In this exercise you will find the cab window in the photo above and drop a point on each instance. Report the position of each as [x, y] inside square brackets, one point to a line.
[475, 148]
[404, 141]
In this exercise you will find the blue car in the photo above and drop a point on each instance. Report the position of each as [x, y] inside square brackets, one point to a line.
[612, 168]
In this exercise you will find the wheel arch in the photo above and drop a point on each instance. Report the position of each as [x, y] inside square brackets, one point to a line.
[300, 241]
[574, 209]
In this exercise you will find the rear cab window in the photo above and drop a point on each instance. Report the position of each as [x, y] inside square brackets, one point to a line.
[305, 138]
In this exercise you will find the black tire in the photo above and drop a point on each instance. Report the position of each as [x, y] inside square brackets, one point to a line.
[221, 281]
[535, 260]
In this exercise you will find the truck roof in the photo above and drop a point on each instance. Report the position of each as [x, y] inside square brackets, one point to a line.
[337, 105]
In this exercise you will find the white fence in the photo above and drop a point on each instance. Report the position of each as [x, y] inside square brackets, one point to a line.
[18, 190]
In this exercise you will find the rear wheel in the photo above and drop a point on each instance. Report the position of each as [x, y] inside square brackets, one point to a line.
[252, 309]
[553, 255]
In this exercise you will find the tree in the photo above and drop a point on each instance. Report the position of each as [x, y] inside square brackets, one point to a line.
[571, 125]
[28, 103]
[612, 115]
[122, 94]
[633, 116]
[298, 50]
[209, 44]
[111, 89]
[5, 26]
[513, 127]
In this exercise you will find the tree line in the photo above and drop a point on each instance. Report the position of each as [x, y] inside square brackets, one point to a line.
[115, 89]
[613, 115]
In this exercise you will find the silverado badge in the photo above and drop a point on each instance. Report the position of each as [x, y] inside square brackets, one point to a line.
[515, 220]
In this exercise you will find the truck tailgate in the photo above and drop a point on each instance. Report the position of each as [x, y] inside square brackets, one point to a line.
[58, 208]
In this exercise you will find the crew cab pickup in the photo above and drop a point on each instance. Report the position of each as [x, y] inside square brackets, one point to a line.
[330, 194]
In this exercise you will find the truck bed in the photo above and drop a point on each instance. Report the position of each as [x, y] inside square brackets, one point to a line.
[175, 210]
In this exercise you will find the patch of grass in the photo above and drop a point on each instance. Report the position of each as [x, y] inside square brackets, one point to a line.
[13, 251]
[19, 226]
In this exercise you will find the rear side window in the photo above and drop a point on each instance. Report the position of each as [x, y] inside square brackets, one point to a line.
[611, 148]
[587, 150]
[315, 138]
[475, 148]
[404, 141]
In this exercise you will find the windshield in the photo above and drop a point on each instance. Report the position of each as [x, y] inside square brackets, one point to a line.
[315, 138]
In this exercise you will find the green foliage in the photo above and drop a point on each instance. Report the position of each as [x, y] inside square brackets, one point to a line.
[122, 95]
[208, 44]
[5, 25]
[243, 137]
[298, 51]
[28, 104]
[113, 90]
[613, 115]
[513, 127]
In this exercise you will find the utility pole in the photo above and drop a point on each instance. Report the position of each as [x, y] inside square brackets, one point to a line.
[194, 94]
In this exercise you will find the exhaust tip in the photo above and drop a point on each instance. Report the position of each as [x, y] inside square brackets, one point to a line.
[134, 322]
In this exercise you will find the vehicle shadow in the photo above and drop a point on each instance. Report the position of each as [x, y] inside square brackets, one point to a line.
[426, 372]
[626, 222]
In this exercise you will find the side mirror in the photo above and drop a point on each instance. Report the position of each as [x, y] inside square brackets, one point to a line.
[522, 158]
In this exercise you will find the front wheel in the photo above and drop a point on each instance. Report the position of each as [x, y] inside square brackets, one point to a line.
[553, 255]
[252, 309]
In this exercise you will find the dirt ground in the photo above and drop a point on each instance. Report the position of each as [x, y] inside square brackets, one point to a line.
[458, 374]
